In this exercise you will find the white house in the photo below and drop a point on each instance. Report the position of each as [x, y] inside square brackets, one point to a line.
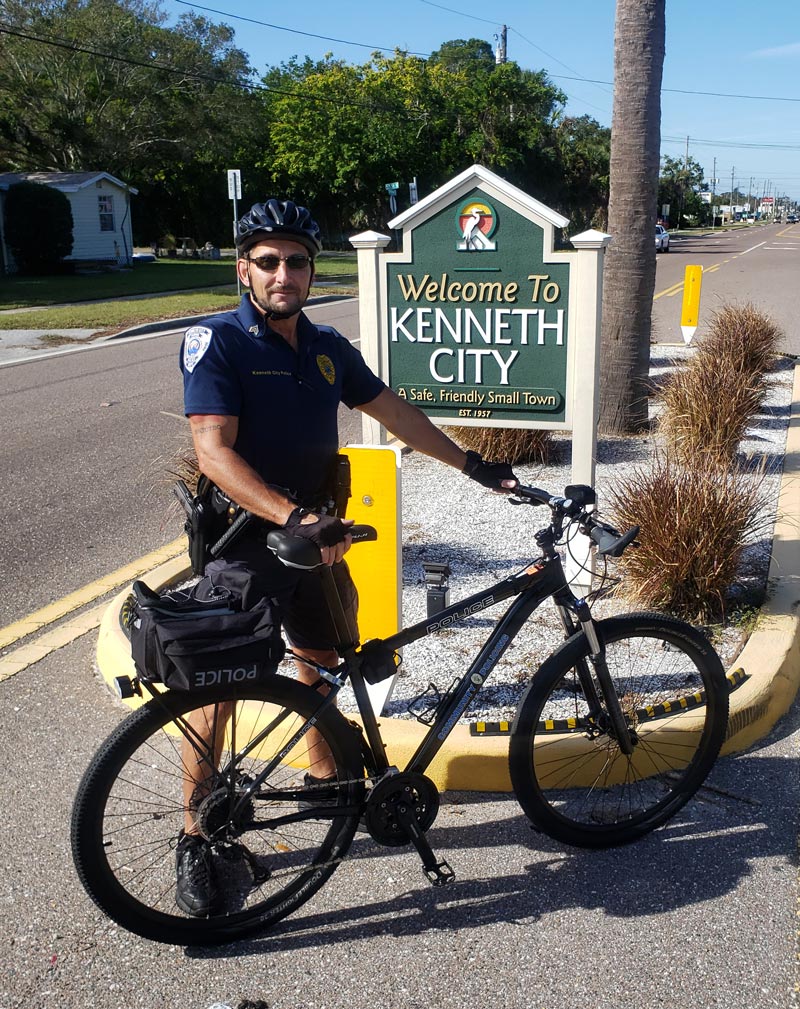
[101, 214]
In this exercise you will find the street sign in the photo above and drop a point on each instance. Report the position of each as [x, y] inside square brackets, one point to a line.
[690, 310]
[234, 184]
[392, 187]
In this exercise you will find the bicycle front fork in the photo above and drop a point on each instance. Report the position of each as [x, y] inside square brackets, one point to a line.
[618, 726]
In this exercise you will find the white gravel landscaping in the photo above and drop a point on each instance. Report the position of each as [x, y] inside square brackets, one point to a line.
[483, 539]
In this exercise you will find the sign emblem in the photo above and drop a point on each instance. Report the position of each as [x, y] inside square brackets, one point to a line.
[476, 221]
[326, 368]
[195, 344]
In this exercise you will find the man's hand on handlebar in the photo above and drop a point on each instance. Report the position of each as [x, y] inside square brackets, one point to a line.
[326, 532]
[497, 476]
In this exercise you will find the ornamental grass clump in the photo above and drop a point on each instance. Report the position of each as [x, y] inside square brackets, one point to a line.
[743, 335]
[694, 523]
[505, 444]
[710, 400]
[708, 405]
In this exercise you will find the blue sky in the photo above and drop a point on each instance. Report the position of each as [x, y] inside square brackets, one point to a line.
[731, 48]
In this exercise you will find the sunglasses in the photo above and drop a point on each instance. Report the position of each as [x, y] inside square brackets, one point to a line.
[269, 264]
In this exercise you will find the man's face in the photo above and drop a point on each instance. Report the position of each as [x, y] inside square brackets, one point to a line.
[282, 291]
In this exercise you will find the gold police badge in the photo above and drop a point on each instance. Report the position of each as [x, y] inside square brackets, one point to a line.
[326, 368]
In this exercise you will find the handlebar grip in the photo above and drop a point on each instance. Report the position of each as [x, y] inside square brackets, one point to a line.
[609, 544]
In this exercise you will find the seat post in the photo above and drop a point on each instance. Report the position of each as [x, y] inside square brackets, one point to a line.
[346, 632]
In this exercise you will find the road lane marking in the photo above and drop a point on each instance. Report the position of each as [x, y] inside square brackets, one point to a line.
[669, 290]
[752, 248]
[94, 590]
[34, 651]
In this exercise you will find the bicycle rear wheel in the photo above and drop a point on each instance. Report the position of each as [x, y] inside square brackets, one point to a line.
[273, 847]
[567, 769]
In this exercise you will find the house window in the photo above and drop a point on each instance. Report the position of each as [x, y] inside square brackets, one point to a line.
[105, 206]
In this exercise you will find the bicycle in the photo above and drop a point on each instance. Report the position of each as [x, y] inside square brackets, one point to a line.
[615, 732]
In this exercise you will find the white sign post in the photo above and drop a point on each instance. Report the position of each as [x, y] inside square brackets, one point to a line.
[235, 194]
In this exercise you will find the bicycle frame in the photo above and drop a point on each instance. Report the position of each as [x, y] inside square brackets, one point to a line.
[539, 581]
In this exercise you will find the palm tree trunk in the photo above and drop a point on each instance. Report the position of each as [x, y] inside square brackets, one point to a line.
[630, 268]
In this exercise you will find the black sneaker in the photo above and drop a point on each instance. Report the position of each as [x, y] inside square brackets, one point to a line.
[196, 890]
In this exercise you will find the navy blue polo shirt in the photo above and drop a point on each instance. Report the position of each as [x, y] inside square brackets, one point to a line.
[287, 403]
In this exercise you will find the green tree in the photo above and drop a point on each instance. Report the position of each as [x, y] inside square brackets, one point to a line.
[679, 186]
[337, 133]
[108, 87]
[38, 226]
[583, 147]
[464, 54]
[630, 268]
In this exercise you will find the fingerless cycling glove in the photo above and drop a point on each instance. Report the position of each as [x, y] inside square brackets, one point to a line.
[327, 531]
[488, 474]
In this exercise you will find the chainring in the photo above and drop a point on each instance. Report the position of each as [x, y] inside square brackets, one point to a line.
[406, 788]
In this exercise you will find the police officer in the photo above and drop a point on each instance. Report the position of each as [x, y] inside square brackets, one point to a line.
[262, 387]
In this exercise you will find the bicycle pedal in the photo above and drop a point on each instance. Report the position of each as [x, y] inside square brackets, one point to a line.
[439, 874]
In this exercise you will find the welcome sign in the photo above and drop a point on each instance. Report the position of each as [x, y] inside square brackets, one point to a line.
[480, 322]
[477, 307]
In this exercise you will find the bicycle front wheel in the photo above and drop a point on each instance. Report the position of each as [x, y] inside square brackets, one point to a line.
[274, 840]
[568, 771]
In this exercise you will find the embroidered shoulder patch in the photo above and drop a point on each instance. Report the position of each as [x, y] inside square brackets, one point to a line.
[326, 367]
[195, 344]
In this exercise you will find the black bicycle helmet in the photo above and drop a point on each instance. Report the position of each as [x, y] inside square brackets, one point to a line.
[277, 219]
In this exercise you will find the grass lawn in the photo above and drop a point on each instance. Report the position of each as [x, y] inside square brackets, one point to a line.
[142, 278]
[118, 315]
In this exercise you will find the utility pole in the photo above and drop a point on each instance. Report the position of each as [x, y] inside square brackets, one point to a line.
[501, 50]
[713, 194]
[733, 169]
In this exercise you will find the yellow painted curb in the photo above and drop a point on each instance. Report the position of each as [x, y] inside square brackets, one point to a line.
[771, 657]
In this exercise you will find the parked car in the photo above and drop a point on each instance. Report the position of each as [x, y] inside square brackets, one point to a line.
[662, 239]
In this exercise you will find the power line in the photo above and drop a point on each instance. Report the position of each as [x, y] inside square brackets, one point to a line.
[462, 14]
[294, 31]
[682, 91]
[197, 74]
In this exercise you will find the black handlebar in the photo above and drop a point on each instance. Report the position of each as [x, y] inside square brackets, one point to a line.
[609, 542]
[572, 505]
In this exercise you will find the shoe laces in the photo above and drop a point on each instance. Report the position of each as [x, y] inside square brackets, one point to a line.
[195, 861]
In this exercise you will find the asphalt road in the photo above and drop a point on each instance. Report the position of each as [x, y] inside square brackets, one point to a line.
[703, 913]
[757, 264]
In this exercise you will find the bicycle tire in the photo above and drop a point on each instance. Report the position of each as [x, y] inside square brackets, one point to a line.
[129, 810]
[568, 772]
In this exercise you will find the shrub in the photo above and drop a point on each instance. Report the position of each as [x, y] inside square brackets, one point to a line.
[709, 401]
[694, 523]
[707, 407]
[38, 226]
[505, 444]
[744, 336]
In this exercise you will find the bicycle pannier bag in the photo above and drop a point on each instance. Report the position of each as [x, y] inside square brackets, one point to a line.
[202, 637]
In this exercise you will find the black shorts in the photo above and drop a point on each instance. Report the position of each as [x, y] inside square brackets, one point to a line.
[297, 595]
